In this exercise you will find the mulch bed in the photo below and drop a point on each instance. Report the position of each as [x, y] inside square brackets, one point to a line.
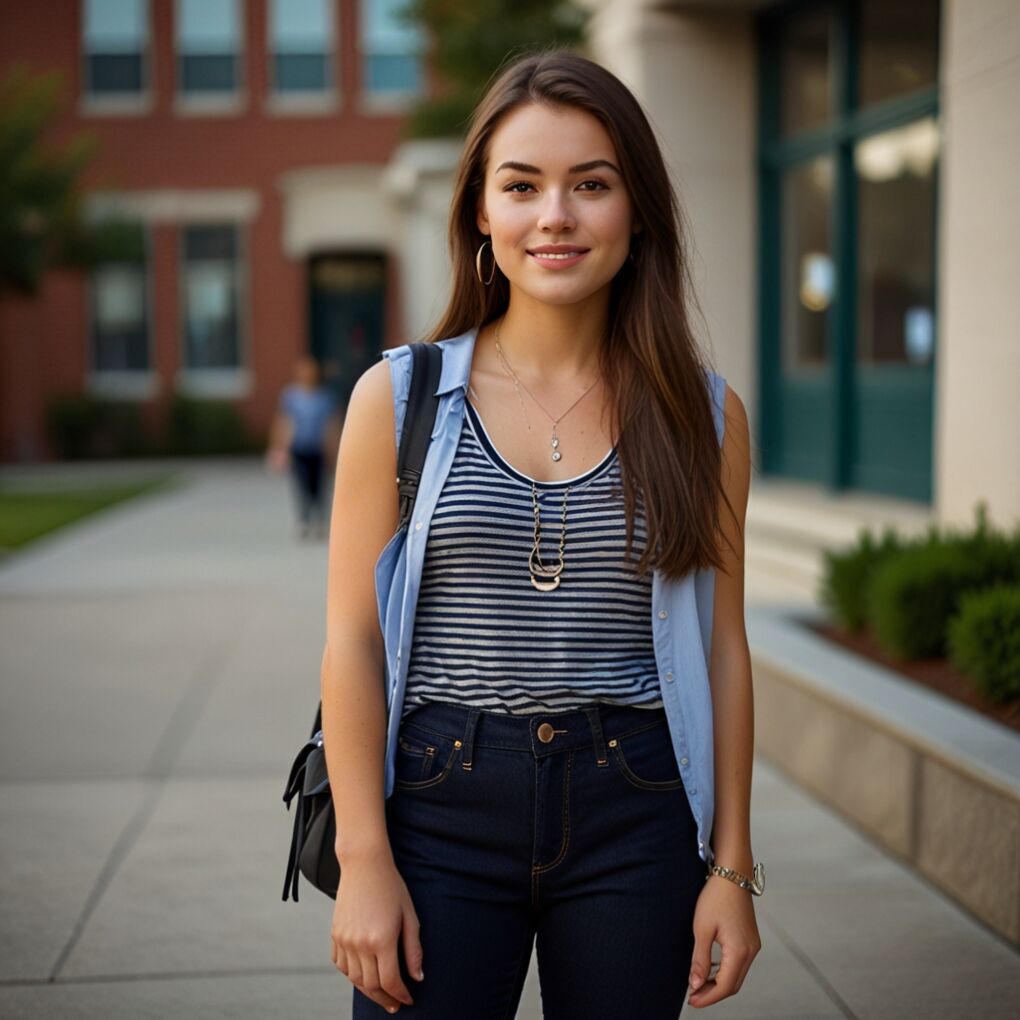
[938, 674]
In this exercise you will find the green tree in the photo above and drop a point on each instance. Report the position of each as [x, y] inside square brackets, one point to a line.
[42, 225]
[469, 43]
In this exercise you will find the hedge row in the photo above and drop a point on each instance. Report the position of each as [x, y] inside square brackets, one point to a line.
[947, 593]
[84, 426]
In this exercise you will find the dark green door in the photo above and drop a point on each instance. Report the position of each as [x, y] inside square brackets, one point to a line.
[849, 148]
[347, 316]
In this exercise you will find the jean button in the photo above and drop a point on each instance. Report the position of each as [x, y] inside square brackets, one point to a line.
[545, 732]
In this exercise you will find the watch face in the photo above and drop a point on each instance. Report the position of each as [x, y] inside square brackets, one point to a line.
[758, 878]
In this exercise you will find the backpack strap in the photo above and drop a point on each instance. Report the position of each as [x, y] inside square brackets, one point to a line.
[419, 420]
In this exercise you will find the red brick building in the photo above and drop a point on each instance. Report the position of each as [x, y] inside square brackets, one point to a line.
[250, 142]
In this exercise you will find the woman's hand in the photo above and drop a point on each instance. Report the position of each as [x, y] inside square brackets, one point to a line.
[373, 910]
[724, 914]
[276, 459]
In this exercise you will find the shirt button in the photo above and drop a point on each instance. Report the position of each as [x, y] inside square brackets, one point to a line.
[663, 614]
[417, 527]
[669, 676]
[683, 761]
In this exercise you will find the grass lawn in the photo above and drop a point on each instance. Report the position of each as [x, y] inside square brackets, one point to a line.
[25, 514]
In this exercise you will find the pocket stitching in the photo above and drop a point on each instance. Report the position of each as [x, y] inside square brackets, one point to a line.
[643, 784]
[413, 784]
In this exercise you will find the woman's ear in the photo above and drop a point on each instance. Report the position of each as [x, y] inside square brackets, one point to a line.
[481, 220]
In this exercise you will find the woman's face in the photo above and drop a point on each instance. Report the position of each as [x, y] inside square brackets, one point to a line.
[552, 182]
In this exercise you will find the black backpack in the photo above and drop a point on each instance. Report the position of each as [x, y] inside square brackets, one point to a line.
[312, 846]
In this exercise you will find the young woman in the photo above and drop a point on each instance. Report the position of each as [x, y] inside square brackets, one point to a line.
[563, 740]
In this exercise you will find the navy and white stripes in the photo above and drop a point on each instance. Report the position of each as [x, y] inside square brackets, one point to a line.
[485, 637]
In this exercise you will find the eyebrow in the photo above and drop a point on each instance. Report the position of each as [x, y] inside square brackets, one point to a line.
[527, 168]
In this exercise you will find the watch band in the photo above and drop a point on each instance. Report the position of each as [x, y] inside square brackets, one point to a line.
[755, 884]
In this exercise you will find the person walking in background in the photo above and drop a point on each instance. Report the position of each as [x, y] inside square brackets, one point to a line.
[305, 434]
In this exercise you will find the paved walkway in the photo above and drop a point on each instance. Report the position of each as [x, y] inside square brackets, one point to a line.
[159, 664]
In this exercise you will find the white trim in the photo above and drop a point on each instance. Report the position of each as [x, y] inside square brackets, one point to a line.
[137, 104]
[177, 205]
[142, 385]
[384, 104]
[214, 382]
[210, 104]
[301, 104]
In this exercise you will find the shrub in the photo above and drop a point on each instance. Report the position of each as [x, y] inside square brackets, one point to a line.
[847, 575]
[913, 594]
[196, 425]
[83, 426]
[983, 639]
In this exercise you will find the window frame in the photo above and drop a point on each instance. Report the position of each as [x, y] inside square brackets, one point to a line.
[321, 101]
[214, 102]
[372, 101]
[214, 382]
[107, 104]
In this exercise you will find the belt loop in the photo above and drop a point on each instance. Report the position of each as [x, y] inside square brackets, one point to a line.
[469, 738]
[596, 732]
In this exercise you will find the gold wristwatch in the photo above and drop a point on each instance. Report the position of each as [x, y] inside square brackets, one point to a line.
[756, 884]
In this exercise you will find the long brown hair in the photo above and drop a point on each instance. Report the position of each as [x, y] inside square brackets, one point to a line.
[658, 398]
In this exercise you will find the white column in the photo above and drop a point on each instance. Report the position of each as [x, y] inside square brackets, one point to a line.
[977, 399]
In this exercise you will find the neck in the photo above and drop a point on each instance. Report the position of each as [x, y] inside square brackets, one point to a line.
[554, 342]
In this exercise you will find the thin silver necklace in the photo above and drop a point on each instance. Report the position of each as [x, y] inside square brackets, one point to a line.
[543, 577]
[554, 440]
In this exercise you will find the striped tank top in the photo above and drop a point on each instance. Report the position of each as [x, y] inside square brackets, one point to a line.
[484, 636]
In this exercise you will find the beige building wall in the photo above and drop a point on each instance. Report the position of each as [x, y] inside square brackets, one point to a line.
[977, 399]
[694, 73]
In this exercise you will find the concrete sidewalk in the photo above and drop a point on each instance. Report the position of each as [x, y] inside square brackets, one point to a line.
[159, 667]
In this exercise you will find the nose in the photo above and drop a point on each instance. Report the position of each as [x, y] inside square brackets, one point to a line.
[556, 214]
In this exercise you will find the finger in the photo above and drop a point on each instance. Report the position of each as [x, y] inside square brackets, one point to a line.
[389, 977]
[340, 959]
[411, 936]
[724, 982]
[701, 959]
[372, 986]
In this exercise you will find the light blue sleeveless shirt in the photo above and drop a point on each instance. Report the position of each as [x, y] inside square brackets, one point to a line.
[681, 610]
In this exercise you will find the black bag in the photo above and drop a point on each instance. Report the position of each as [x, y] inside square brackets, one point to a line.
[312, 846]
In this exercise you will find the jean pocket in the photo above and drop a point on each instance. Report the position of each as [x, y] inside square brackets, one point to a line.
[646, 759]
[422, 759]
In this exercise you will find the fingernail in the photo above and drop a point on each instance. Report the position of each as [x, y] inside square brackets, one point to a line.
[695, 982]
[421, 974]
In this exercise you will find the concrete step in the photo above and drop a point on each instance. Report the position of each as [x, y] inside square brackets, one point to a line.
[791, 524]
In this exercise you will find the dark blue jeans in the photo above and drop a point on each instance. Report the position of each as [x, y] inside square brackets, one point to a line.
[572, 828]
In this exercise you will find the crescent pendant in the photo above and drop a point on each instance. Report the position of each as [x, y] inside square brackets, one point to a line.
[545, 585]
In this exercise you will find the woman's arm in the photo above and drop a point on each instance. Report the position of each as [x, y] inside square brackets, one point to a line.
[725, 913]
[730, 665]
[364, 517]
[373, 916]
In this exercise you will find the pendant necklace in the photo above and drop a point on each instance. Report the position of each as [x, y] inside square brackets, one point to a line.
[554, 440]
[544, 577]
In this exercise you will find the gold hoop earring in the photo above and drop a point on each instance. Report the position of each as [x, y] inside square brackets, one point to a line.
[478, 264]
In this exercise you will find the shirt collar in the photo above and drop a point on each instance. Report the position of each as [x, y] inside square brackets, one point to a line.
[457, 353]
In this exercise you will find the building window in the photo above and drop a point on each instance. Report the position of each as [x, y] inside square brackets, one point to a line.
[301, 47]
[211, 296]
[208, 48]
[391, 51]
[120, 313]
[115, 44]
